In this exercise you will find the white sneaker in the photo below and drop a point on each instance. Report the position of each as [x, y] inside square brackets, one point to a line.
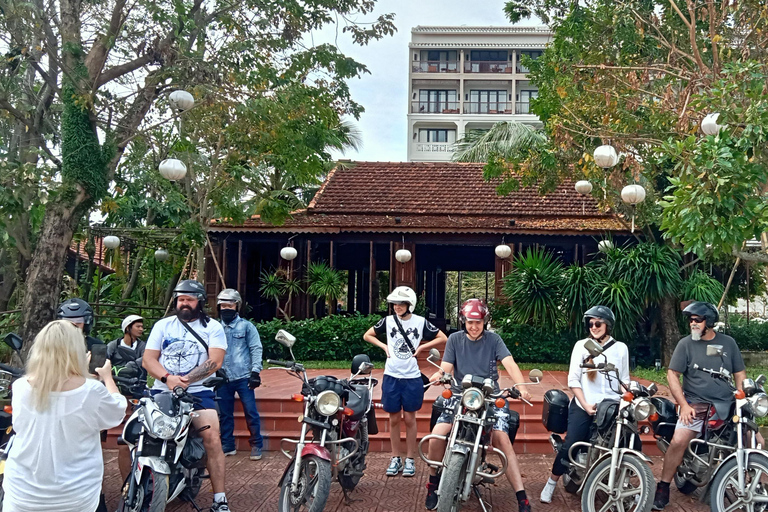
[547, 492]
[395, 466]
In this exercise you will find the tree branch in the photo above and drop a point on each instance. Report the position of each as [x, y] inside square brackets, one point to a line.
[18, 114]
[692, 36]
[123, 69]
[97, 57]
[632, 68]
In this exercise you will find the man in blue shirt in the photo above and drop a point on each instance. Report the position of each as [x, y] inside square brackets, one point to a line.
[242, 365]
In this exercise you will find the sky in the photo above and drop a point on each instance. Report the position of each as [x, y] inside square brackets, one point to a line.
[383, 92]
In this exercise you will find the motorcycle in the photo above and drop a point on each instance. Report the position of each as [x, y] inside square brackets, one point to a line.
[339, 414]
[464, 466]
[168, 455]
[7, 375]
[726, 460]
[609, 470]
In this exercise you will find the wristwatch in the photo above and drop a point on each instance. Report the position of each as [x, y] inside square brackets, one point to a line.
[164, 378]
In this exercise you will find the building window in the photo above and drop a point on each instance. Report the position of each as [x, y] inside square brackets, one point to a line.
[438, 61]
[437, 135]
[487, 102]
[489, 55]
[437, 101]
[534, 54]
[524, 100]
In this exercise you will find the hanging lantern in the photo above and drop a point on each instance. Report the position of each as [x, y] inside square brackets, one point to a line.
[604, 245]
[583, 187]
[288, 253]
[181, 101]
[606, 156]
[161, 255]
[111, 242]
[633, 194]
[403, 255]
[503, 251]
[709, 124]
[173, 169]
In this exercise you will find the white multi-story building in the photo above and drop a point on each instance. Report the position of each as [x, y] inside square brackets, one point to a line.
[467, 78]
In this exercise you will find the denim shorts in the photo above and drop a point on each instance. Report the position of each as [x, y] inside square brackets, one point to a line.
[502, 414]
[401, 394]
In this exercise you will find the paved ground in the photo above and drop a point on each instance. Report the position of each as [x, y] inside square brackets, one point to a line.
[252, 486]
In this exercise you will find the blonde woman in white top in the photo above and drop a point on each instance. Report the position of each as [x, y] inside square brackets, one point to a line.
[589, 388]
[55, 461]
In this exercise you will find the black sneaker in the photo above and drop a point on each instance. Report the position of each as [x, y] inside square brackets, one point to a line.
[524, 505]
[661, 499]
[431, 502]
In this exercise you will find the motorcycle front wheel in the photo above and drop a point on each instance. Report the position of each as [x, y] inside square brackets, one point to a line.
[725, 486]
[634, 480]
[151, 493]
[313, 488]
[450, 485]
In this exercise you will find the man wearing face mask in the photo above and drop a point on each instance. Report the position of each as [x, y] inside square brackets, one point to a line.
[243, 367]
[699, 388]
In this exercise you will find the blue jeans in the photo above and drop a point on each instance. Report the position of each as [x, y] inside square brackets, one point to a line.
[227, 414]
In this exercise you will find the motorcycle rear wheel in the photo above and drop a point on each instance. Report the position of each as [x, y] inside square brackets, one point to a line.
[683, 485]
[450, 485]
[152, 492]
[349, 482]
[726, 482]
[314, 486]
[634, 478]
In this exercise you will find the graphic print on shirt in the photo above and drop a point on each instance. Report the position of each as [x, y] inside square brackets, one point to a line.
[493, 370]
[180, 356]
[402, 351]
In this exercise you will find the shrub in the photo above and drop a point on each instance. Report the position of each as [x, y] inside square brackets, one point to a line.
[752, 336]
[530, 344]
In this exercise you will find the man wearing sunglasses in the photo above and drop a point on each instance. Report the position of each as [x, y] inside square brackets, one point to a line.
[699, 388]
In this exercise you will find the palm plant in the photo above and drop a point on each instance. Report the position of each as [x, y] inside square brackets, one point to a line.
[702, 287]
[507, 140]
[325, 283]
[578, 292]
[533, 288]
[277, 285]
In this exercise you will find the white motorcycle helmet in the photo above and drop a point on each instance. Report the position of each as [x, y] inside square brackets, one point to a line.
[403, 294]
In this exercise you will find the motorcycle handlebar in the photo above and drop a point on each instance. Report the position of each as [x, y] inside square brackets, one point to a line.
[277, 362]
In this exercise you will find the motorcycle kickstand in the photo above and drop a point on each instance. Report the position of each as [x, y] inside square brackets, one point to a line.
[347, 499]
[194, 505]
[480, 499]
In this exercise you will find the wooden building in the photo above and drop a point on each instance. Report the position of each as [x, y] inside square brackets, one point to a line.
[445, 214]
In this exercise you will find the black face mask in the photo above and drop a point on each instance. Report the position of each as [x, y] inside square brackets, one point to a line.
[227, 315]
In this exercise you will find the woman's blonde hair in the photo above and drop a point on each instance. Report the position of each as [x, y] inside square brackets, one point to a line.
[57, 354]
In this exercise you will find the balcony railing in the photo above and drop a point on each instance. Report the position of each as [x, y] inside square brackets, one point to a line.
[522, 69]
[435, 107]
[486, 107]
[523, 107]
[479, 66]
[434, 147]
[435, 66]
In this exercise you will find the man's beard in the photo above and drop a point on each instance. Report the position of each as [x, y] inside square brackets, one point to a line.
[696, 334]
[186, 314]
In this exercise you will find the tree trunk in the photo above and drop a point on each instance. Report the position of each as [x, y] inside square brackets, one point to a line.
[43, 284]
[669, 329]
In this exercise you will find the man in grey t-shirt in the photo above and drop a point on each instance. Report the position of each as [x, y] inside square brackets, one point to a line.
[475, 351]
[699, 388]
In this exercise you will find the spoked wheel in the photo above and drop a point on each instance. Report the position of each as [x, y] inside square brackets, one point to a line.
[312, 490]
[725, 495]
[448, 499]
[151, 493]
[634, 484]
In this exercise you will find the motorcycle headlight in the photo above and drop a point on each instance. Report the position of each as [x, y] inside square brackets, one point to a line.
[164, 426]
[759, 403]
[472, 399]
[642, 409]
[328, 403]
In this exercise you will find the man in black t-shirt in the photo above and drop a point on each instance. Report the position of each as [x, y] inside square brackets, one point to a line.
[699, 388]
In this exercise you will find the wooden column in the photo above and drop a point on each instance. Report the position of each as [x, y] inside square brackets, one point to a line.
[241, 270]
[405, 273]
[503, 266]
[371, 277]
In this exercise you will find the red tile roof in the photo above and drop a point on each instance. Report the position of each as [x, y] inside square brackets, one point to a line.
[436, 197]
[79, 252]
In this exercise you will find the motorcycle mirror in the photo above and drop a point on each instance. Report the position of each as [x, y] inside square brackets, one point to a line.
[652, 389]
[535, 375]
[13, 340]
[434, 354]
[714, 350]
[593, 348]
[760, 380]
[366, 368]
[285, 338]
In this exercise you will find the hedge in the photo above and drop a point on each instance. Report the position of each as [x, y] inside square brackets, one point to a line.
[752, 336]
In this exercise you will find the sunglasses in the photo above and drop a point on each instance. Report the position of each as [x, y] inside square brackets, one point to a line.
[697, 320]
[596, 324]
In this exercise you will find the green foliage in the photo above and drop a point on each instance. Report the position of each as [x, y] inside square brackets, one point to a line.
[533, 287]
[533, 344]
[749, 336]
[337, 338]
[325, 282]
[701, 287]
[578, 292]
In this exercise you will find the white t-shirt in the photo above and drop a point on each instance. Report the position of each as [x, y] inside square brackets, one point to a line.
[401, 363]
[55, 462]
[180, 352]
[601, 388]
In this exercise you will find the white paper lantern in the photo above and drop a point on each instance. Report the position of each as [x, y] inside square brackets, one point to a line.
[181, 100]
[606, 156]
[403, 255]
[633, 194]
[503, 251]
[709, 124]
[288, 253]
[583, 187]
[161, 255]
[173, 169]
[111, 242]
[604, 245]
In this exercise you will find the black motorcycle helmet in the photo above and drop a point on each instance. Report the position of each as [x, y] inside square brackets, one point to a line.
[76, 308]
[358, 361]
[603, 313]
[194, 289]
[704, 310]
